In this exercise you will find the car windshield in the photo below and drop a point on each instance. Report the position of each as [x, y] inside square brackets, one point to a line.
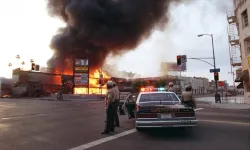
[168, 97]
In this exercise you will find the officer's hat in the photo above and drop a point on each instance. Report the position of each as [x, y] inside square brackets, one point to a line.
[188, 87]
[109, 84]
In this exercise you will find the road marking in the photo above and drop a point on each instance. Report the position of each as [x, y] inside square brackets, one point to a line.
[226, 122]
[197, 109]
[8, 118]
[103, 140]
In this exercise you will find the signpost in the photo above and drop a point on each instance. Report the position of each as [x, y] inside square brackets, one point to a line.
[215, 70]
[81, 73]
[184, 58]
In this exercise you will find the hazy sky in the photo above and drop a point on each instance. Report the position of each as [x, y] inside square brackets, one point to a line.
[180, 37]
[26, 29]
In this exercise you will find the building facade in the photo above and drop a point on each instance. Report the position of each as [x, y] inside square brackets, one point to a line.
[199, 85]
[5, 87]
[28, 83]
[240, 17]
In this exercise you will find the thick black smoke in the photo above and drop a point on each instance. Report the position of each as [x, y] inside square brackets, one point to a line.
[105, 26]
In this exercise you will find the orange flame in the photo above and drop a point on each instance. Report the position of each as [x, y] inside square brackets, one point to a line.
[94, 87]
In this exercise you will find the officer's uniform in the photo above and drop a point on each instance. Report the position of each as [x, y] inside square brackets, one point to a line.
[187, 97]
[117, 102]
[110, 106]
[171, 89]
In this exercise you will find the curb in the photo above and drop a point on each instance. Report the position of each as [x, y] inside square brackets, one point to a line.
[213, 106]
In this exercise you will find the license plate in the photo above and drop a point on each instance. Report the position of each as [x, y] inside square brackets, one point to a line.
[165, 115]
[186, 122]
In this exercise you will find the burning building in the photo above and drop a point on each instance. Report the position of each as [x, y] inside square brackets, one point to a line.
[66, 65]
[96, 28]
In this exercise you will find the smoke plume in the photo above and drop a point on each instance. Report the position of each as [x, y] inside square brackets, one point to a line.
[97, 28]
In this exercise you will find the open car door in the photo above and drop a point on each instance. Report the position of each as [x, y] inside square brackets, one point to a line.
[129, 105]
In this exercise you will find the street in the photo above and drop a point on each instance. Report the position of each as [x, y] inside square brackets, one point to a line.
[28, 124]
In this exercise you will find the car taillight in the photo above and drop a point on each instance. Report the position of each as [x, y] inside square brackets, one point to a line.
[147, 116]
[191, 114]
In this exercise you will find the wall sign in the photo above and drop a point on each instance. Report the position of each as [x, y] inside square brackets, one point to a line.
[81, 72]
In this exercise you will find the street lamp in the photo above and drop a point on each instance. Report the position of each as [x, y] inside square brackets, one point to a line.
[216, 82]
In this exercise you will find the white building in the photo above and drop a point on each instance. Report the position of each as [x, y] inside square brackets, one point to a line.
[199, 85]
[240, 17]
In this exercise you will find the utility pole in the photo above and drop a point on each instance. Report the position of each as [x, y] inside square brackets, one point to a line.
[216, 82]
[214, 65]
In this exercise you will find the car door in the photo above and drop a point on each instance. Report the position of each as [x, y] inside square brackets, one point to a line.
[130, 104]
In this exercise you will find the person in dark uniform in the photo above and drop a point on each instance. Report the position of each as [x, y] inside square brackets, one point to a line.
[130, 104]
[110, 107]
[117, 102]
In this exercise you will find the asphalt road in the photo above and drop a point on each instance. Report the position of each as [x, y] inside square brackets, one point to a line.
[27, 124]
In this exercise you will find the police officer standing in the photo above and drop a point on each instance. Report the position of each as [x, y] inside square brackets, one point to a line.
[117, 102]
[171, 87]
[187, 96]
[110, 107]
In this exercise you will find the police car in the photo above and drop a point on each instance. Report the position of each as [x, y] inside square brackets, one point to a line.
[157, 108]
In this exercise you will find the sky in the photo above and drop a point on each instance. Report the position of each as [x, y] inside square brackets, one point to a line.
[180, 38]
[26, 30]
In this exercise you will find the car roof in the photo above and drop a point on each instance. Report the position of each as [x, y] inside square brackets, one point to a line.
[155, 92]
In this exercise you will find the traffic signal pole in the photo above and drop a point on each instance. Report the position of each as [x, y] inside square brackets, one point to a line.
[216, 82]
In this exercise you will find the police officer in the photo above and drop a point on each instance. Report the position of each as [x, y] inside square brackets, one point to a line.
[187, 96]
[171, 87]
[117, 102]
[110, 106]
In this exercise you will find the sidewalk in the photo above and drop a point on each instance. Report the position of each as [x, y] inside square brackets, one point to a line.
[203, 95]
[230, 106]
[236, 102]
[211, 99]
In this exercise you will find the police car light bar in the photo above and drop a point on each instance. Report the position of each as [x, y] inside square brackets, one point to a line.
[152, 89]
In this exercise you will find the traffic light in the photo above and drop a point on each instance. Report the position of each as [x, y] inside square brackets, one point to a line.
[178, 60]
[221, 83]
[33, 66]
[216, 76]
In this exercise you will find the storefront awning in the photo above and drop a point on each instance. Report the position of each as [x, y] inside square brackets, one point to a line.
[240, 86]
[244, 76]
